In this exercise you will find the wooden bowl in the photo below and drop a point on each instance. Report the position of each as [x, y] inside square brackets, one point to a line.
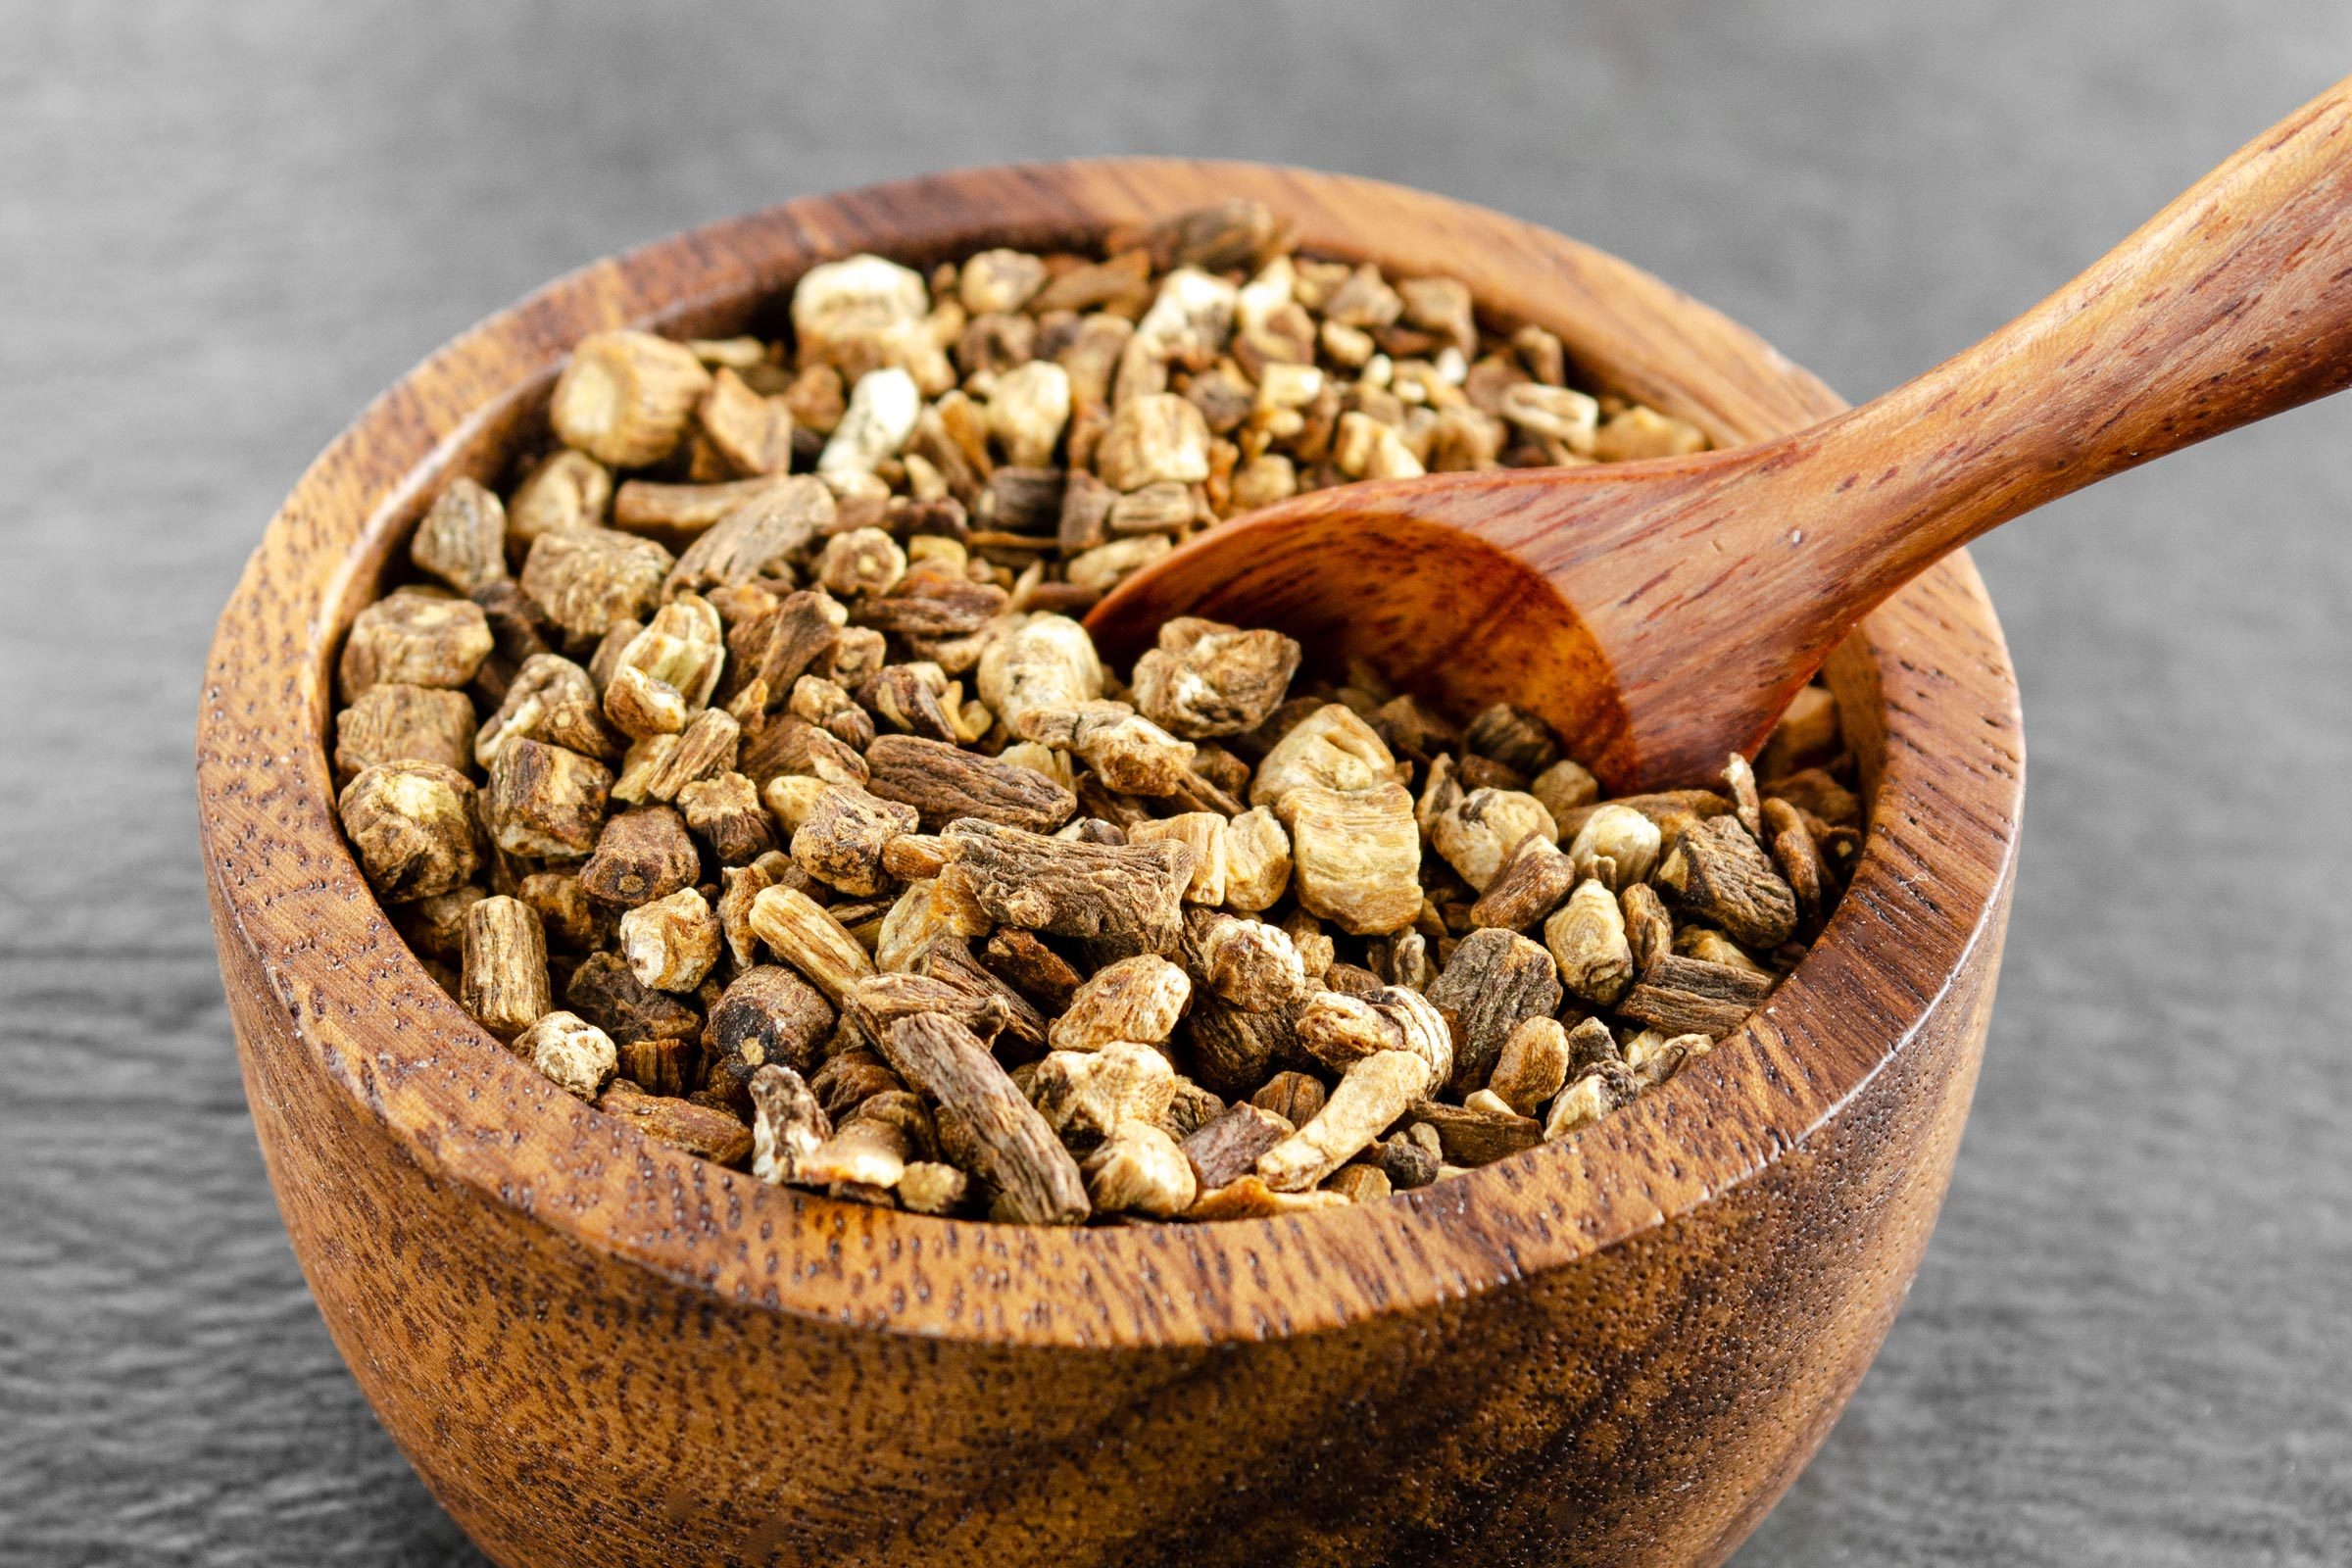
[1616, 1348]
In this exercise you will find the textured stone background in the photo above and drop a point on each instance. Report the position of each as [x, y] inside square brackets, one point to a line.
[223, 229]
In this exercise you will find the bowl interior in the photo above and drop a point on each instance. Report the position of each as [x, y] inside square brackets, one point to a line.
[1926, 678]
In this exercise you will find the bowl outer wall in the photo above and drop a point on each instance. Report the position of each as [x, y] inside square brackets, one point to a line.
[1620, 1346]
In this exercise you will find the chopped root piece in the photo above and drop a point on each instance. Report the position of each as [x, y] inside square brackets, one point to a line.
[798, 930]
[788, 1125]
[1129, 897]
[1140, 1170]
[412, 826]
[1138, 999]
[700, 1130]
[1715, 873]
[1013, 1148]
[571, 1052]
[1374, 1092]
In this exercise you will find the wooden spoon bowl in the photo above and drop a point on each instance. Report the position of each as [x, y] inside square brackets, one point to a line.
[1691, 599]
[1615, 1349]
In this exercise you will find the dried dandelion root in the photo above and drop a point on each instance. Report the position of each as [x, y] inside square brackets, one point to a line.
[746, 769]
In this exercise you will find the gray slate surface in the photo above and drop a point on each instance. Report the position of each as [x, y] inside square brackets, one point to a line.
[223, 229]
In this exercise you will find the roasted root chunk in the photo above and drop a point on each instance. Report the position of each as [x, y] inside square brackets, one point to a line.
[788, 1125]
[1591, 1098]
[1694, 996]
[588, 580]
[1476, 1134]
[1513, 736]
[462, 539]
[571, 1052]
[860, 563]
[1257, 860]
[551, 698]
[850, 1078]
[931, 604]
[1486, 829]
[1715, 873]
[1355, 856]
[725, 813]
[1204, 833]
[1799, 859]
[865, 314]
[415, 638]
[1339, 1030]
[668, 671]
[506, 966]
[1587, 939]
[771, 1015]
[920, 914]
[1087, 1096]
[1138, 999]
[753, 433]
[1563, 787]
[798, 931]
[1250, 963]
[896, 695]
[1533, 1065]
[1140, 1170]
[412, 826]
[1331, 749]
[946, 784]
[870, 1148]
[626, 397]
[840, 840]
[1227, 1148]
[545, 800]
[1528, 887]
[1206, 678]
[700, 1130]
[1642, 432]
[395, 722]
[1013, 1149]
[1049, 661]
[1616, 844]
[1130, 754]
[1495, 982]
[660, 766]
[1129, 897]
[1806, 737]
[435, 926]
[1153, 438]
[603, 990]
[1231, 1048]
[1374, 1092]
[788, 745]
[568, 490]
[1295, 1096]
[1036, 970]
[1653, 1056]
[879, 1001]
[673, 942]
[929, 1187]
[641, 855]
[770, 650]
[756, 537]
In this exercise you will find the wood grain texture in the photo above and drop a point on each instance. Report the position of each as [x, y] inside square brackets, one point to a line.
[1616, 1348]
[1673, 607]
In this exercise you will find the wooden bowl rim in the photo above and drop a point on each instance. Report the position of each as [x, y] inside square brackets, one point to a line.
[467, 1111]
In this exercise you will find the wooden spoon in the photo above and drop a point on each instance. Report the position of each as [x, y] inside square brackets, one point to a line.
[1662, 614]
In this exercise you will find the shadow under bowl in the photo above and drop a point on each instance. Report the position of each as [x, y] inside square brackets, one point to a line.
[1616, 1348]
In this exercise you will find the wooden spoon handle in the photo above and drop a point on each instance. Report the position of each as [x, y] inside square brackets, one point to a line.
[2232, 304]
